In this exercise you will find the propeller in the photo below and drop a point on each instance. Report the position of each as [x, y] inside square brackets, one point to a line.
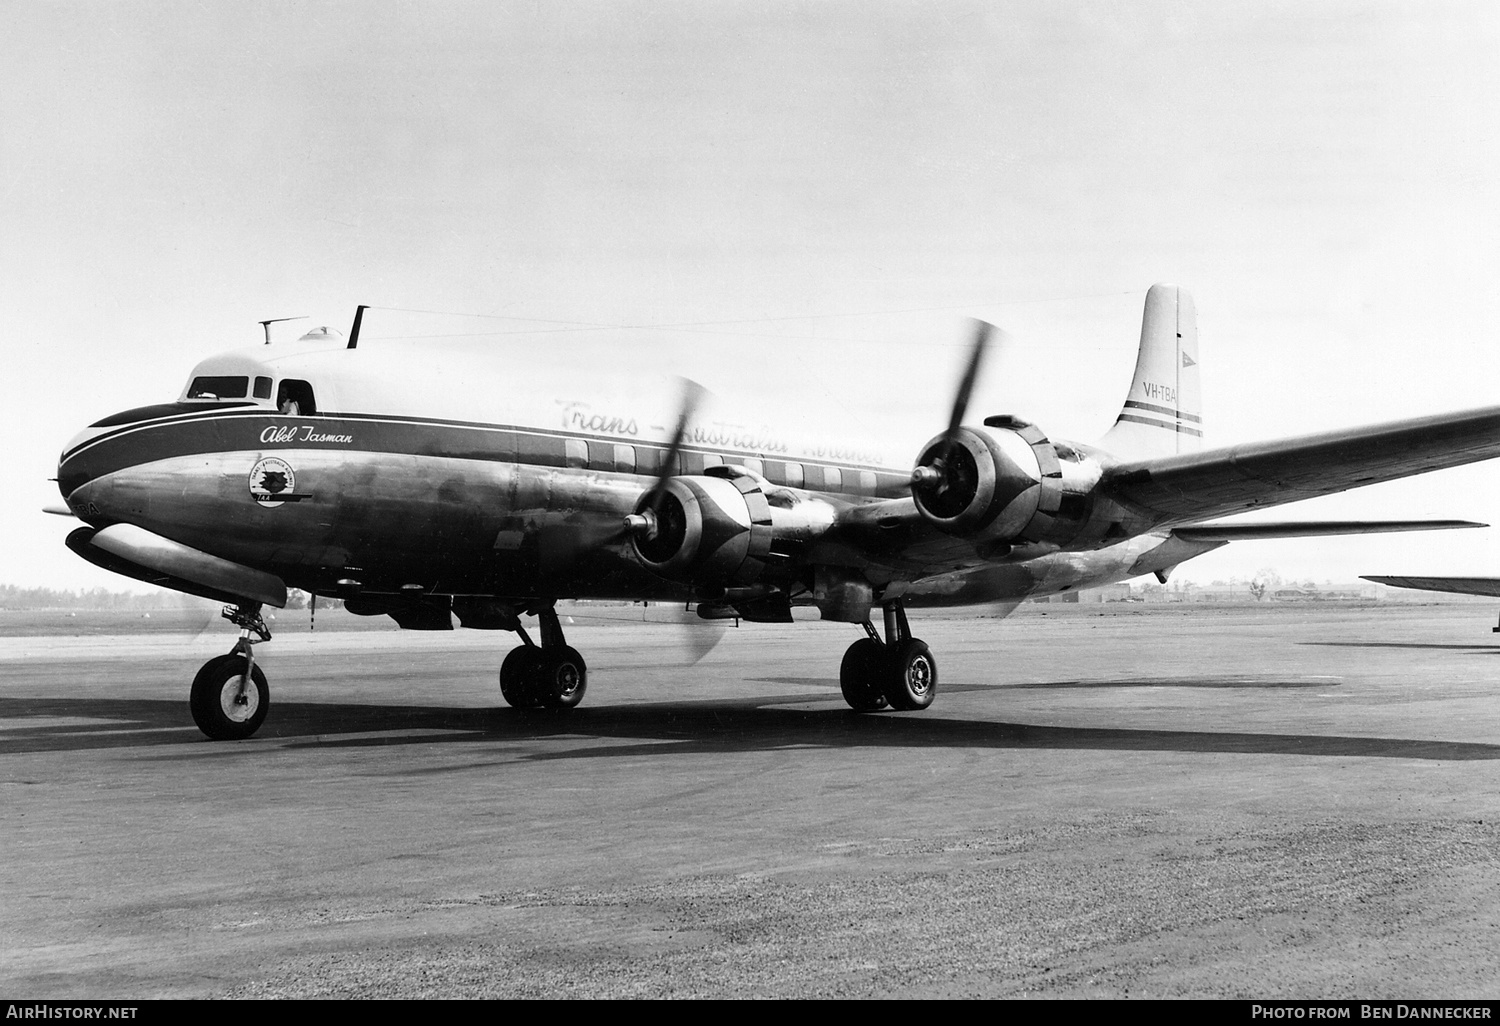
[561, 544]
[933, 474]
[645, 524]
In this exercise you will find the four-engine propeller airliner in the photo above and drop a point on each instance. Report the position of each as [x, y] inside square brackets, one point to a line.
[426, 484]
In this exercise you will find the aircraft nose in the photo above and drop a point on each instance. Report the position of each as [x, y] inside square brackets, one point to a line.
[95, 455]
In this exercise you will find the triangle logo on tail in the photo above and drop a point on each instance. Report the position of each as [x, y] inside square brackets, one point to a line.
[1188, 361]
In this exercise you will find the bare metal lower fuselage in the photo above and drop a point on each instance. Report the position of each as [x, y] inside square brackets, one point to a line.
[472, 510]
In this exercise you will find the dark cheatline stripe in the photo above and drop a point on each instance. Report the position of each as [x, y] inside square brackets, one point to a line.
[1181, 429]
[1131, 404]
[267, 431]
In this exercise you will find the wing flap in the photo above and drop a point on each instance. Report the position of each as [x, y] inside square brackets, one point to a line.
[1219, 482]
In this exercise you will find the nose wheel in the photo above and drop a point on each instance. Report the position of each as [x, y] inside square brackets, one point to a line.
[229, 698]
[551, 675]
[897, 672]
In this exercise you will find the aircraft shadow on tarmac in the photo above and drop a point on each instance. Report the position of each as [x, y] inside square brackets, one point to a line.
[712, 726]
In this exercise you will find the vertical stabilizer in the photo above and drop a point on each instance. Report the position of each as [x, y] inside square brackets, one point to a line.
[1163, 413]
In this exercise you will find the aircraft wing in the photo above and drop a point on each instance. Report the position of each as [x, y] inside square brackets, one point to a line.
[1456, 585]
[1311, 529]
[1189, 487]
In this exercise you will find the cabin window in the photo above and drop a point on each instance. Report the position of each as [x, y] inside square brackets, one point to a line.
[625, 459]
[833, 479]
[867, 482]
[295, 398]
[262, 387]
[755, 466]
[575, 452]
[225, 386]
[794, 475]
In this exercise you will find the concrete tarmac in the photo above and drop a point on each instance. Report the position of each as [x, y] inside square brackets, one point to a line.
[1104, 801]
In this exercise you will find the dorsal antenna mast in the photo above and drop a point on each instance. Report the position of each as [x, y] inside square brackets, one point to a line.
[266, 325]
[359, 315]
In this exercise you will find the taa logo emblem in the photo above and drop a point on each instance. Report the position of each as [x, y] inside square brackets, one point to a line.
[272, 482]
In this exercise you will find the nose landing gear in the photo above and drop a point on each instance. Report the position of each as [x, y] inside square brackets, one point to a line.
[229, 699]
[551, 675]
[898, 672]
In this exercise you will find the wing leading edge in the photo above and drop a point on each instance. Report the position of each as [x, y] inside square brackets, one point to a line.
[1197, 486]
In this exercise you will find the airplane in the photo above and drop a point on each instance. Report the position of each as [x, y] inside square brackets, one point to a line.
[427, 483]
[1449, 585]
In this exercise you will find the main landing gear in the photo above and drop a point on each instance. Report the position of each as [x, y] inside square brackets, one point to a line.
[898, 672]
[230, 699]
[550, 675]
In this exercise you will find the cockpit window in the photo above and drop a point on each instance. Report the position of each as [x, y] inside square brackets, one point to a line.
[262, 387]
[296, 398]
[219, 387]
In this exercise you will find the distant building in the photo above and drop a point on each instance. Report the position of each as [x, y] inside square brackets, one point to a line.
[1106, 593]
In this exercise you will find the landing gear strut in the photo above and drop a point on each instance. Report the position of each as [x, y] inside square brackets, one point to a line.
[230, 699]
[550, 675]
[898, 671]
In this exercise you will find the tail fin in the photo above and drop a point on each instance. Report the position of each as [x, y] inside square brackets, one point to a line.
[1162, 414]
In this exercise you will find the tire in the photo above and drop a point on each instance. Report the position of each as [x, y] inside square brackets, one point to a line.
[911, 676]
[860, 676]
[518, 677]
[562, 679]
[218, 708]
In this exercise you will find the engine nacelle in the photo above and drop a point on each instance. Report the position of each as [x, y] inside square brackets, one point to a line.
[724, 530]
[1001, 482]
[707, 529]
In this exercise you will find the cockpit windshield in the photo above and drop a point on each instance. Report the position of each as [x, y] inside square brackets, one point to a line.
[219, 387]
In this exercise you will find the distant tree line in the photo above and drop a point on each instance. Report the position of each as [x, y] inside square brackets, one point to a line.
[13, 597]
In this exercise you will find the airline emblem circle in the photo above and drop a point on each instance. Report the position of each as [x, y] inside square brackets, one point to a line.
[269, 478]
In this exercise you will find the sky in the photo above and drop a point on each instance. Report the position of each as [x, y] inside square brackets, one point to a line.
[810, 197]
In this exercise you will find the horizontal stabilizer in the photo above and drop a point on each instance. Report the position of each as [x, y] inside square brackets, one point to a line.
[1312, 529]
[1455, 585]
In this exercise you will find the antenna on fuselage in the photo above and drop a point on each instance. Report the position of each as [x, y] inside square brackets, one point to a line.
[266, 325]
[359, 315]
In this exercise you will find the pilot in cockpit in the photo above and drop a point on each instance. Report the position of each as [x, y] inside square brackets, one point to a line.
[294, 398]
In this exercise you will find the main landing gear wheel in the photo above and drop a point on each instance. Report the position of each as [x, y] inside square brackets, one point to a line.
[898, 672]
[910, 676]
[517, 676]
[532, 677]
[562, 679]
[225, 706]
[551, 675]
[859, 676]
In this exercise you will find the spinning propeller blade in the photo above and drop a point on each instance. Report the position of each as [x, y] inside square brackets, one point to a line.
[560, 545]
[692, 397]
[932, 474]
